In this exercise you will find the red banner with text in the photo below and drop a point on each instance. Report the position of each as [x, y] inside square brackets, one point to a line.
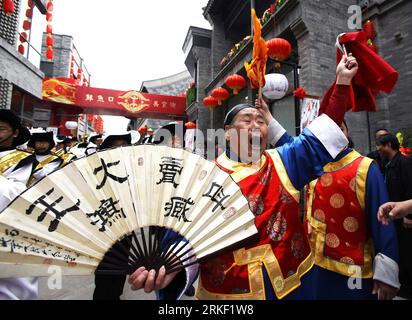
[112, 102]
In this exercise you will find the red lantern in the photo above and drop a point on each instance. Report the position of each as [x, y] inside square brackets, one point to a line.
[49, 54]
[49, 17]
[21, 49]
[30, 3]
[210, 102]
[26, 25]
[220, 94]
[279, 49]
[369, 29]
[190, 125]
[49, 29]
[8, 7]
[236, 83]
[49, 41]
[29, 13]
[49, 6]
[23, 37]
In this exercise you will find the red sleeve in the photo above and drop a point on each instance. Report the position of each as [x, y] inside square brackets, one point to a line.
[338, 103]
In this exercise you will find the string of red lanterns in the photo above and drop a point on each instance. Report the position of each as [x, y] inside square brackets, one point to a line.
[79, 74]
[72, 67]
[49, 31]
[26, 27]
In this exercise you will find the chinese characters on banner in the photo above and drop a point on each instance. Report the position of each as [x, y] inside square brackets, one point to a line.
[96, 100]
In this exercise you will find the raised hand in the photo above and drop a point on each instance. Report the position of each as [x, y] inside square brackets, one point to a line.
[346, 70]
[263, 109]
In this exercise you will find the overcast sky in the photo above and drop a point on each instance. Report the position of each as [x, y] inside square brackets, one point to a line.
[125, 42]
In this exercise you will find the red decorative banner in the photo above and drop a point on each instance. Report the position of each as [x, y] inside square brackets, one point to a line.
[104, 101]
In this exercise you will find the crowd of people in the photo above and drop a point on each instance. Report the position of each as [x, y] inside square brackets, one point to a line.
[353, 241]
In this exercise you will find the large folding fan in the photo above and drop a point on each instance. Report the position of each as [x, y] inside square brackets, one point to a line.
[123, 208]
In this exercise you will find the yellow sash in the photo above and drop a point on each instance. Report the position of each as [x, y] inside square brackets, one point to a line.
[46, 161]
[12, 159]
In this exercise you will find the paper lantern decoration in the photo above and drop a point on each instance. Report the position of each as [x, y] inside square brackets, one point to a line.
[190, 125]
[26, 25]
[369, 29]
[276, 86]
[49, 54]
[279, 49]
[29, 13]
[220, 94]
[210, 102]
[49, 17]
[23, 37]
[49, 28]
[8, 7]
[21, 49]
[49, 41]
[71, 125]
[236, 83]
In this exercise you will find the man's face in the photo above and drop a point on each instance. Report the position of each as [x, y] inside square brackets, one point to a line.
[119, 143]
[247, 135]
[384, 150]
[7, 134]
[98, 142]
[344, 129]
[41, 146]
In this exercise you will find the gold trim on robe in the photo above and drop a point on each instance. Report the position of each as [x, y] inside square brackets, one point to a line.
[255, 258]
[240, 170]
[12, 159]
[283, 175]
